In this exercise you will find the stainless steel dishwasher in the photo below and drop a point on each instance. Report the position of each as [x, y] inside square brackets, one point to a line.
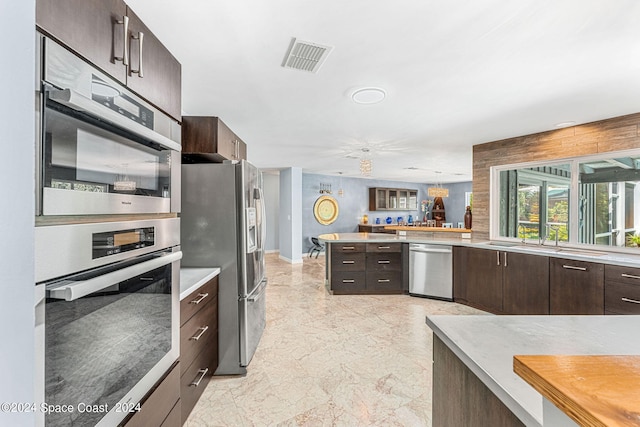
[430, 271]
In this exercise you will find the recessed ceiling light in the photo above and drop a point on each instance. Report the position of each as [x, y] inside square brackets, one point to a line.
[565, 124]
[368, 95]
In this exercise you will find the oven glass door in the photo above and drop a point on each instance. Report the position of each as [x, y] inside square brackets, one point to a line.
[105, 330]
[91, 167]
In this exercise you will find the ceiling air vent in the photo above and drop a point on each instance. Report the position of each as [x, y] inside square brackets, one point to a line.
[305, 56]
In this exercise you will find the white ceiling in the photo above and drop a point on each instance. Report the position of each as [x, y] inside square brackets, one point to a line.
[457, 73]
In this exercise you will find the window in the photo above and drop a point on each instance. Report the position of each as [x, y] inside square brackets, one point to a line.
[590, 200]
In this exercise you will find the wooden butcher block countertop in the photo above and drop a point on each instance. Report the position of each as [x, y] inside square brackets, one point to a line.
[591, 390]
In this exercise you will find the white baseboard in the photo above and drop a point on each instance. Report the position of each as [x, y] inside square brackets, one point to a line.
[291, 261]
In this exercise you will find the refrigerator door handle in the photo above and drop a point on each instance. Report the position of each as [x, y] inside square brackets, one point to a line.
[257, 293]
[263, 210]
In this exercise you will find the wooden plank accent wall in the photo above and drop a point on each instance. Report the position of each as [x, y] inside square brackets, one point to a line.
[619, 133]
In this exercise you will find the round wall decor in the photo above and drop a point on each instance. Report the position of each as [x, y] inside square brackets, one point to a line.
[325, 210]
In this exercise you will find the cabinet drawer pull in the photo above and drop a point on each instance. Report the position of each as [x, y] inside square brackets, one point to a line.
[635, 301]
[202, 331]
[125, 48]
[348, 281]
[505, 259]
[140, 38]
[199, 300]
[498, 258]
[202, 373]
[348, 248]
[571, 267]
[348, 262]
[630, 276]
[384, 247]
[383, 280]
[384, 261]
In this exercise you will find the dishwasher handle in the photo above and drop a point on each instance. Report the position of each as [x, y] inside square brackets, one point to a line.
[431, 251]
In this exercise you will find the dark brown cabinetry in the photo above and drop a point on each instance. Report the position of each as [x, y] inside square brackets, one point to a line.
[198, 343]
[161, 406]
[95, 30]
[209, 139]
[621, 290]
[484, 279]
[393, 199]
[576, 287]
[366, 268]
[500, 281]
[160, 80]
[374, 228]
[525, 284]
[475, 404]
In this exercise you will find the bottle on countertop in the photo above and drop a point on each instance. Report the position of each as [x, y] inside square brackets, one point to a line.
[467, 218]
[365, 219]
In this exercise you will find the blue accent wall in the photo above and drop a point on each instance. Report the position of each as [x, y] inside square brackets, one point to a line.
[354, 203]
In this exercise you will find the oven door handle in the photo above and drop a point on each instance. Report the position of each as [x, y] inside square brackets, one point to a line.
[73, 291]
[79, 102]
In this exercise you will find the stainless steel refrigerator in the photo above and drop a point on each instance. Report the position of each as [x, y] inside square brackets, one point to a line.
[222, 225]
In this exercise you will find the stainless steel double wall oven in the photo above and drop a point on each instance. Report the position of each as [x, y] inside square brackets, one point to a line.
[107, 242]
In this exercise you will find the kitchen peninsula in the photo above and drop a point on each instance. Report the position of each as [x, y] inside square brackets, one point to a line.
[474, 361]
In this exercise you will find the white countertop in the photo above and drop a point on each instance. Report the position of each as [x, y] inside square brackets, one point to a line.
[487, 344]
[192, 278]
[562, 251]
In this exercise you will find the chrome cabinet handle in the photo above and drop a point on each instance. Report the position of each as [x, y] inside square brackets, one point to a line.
[348, 248]
[202, 331]
[199, 300]
[505, 259]
[571, 267]
[202, 373]
[383, 261]
[348, 262]
[635, 301]
[630, 276]
[140, 38]
[384, 247]
[383, 280]
[348, 281]
[125, 48]
[497, 258]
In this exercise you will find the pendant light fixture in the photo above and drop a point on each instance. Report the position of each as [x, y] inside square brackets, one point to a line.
[365, 163]
[438, 191]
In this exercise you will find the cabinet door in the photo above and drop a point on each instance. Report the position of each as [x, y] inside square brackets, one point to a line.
[89, 27]
[460, 266]
[484, 279]
[160, 82]
[241, 149]
[576, 287]
[525, 281]
[413, 200]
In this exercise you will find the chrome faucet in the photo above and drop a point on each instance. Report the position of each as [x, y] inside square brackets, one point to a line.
[544, 236]
[555, 228]
[524, 232]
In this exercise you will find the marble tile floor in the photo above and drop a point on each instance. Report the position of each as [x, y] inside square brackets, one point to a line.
[325, 360]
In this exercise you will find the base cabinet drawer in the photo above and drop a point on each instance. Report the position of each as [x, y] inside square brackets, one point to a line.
[384, 261]
[157, 406]
[622, 298]
[348, 282]
[384, 247]
[198, 299]
[194, 380]
[348, 262]
[385, 281]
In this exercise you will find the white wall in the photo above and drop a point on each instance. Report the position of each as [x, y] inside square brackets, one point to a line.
[290, 218]
[17, 318]
[272, 206]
